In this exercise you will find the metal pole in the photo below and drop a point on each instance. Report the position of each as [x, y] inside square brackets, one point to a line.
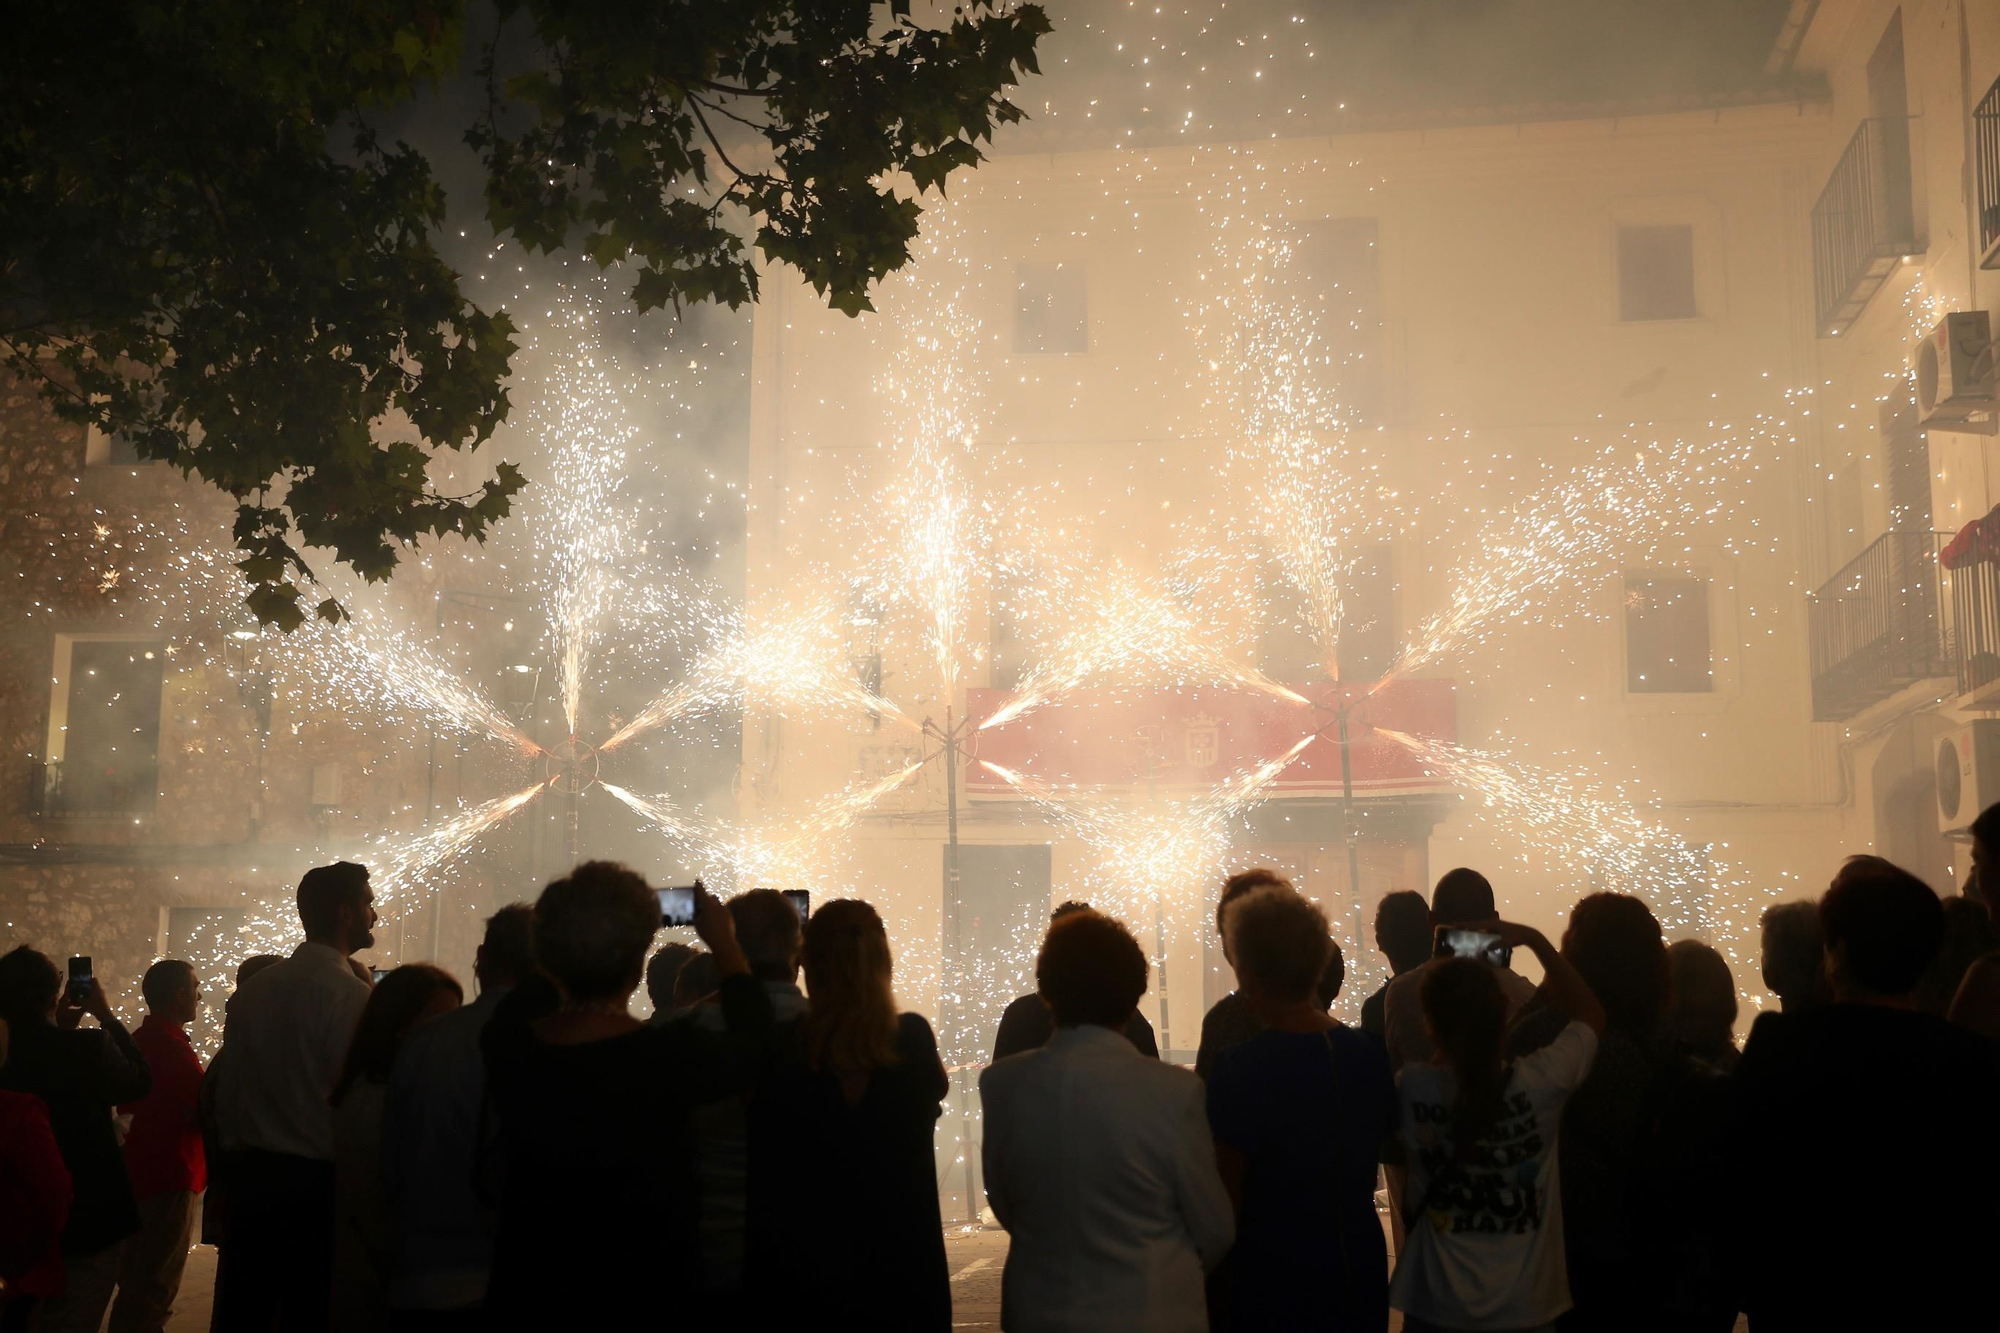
[1347, 831]
[575, 791]
[953, 973]
[1159, 909]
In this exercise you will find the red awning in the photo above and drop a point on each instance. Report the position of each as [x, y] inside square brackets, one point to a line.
[1199, 737]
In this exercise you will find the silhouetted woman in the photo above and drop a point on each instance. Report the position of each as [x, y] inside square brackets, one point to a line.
[1299, 1113]
[1485, 1246]
[595, 1178]
[362, 1236]
[844, 1229]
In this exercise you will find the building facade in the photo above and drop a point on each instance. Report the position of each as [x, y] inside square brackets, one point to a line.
[1541, 288]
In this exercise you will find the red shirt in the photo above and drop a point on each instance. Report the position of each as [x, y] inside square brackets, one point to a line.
[34, 1198]
[163, 1147]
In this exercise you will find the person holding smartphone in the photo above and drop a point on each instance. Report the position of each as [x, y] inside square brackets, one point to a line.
[1484, 1198]
[594, 1174]
[81, 1074]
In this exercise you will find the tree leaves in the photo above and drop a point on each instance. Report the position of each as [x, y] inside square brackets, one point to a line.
[205, 248]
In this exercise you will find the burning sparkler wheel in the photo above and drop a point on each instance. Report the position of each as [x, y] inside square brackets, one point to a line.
[571, 767]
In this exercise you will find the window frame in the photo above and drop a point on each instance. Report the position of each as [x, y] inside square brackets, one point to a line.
[55, 747]
[1021, 266]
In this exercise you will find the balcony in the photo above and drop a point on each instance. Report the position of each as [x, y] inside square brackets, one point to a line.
[1863, 224]
[1975, 613]
[1878, 625]
[1986, 173]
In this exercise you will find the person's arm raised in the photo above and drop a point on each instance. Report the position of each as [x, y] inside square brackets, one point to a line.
[1562, 984]
[717, 929]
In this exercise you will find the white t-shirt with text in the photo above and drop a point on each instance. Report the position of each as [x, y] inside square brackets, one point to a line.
[1488, 1253]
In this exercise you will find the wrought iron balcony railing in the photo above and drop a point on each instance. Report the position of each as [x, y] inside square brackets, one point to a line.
[1975, 617]
[1878, 626]
[1986, 174]
[1863, 224]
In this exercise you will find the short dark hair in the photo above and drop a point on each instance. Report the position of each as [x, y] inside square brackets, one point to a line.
[1461, 898]
[1090, 970]
[593, 927]
[1887, 923]
[29, 985]
[254, 964]
[1614, 941]
[393, 1008]
[509, 943]
[1240, 883]
[1985, 828]
[697, 978]
[1332, 977]
[663, 969]
[769, 930]
[1403, 929]
[164, 981]
[1793, 951]
[324, 890]
[1063, 909]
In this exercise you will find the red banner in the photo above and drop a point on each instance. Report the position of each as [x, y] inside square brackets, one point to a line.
[1200, 737]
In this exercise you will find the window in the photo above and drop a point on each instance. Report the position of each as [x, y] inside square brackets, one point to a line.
[1011, 649]
[104, 726]
[1338, 268]
[1051, 312]
[1666, 635]
[1656, 273]
[1368, 617]
[1286, 649]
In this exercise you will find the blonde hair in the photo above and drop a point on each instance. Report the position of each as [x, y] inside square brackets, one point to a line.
[1279, 942]
[850, 1024]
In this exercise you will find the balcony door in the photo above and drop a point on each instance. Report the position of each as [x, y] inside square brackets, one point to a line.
[1889, 107]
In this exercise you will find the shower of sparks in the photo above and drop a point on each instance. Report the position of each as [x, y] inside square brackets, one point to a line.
[580, 540]
[1262, 330]
[401, 868]
[790, 665]
[1595, 838]
[1642, 495]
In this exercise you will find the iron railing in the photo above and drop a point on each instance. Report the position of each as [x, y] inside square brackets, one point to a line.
[52, 793]
[1863, 224]
[1975, 617]
[1986, 173]
[1878, 625]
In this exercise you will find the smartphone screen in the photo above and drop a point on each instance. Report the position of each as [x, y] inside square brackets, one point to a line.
[800, 900]
[79, 976]
[1456, 942]
[379, 973]
[677, 906]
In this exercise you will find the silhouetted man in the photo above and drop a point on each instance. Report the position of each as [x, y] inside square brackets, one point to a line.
[1462, 898]
[289, 1030]
[163, 1152]
[1403, 934]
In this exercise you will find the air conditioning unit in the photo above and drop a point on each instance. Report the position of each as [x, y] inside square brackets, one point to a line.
[1954, 369]
[1968, 773]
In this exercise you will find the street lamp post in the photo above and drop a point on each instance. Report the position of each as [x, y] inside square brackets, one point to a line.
[952, 974]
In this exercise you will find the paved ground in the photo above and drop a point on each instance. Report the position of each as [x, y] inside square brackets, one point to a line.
[975, 1256]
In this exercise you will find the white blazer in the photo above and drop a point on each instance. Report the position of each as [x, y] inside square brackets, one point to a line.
[1100, 1164]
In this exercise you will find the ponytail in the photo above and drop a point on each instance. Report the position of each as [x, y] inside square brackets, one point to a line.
[1467, 1015]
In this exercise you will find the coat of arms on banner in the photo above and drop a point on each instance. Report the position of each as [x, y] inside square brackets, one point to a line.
[1202, 738]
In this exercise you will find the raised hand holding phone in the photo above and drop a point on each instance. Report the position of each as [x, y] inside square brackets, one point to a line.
[714, 927]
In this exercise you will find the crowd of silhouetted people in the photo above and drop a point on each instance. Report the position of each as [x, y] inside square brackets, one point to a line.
[371, 1151]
